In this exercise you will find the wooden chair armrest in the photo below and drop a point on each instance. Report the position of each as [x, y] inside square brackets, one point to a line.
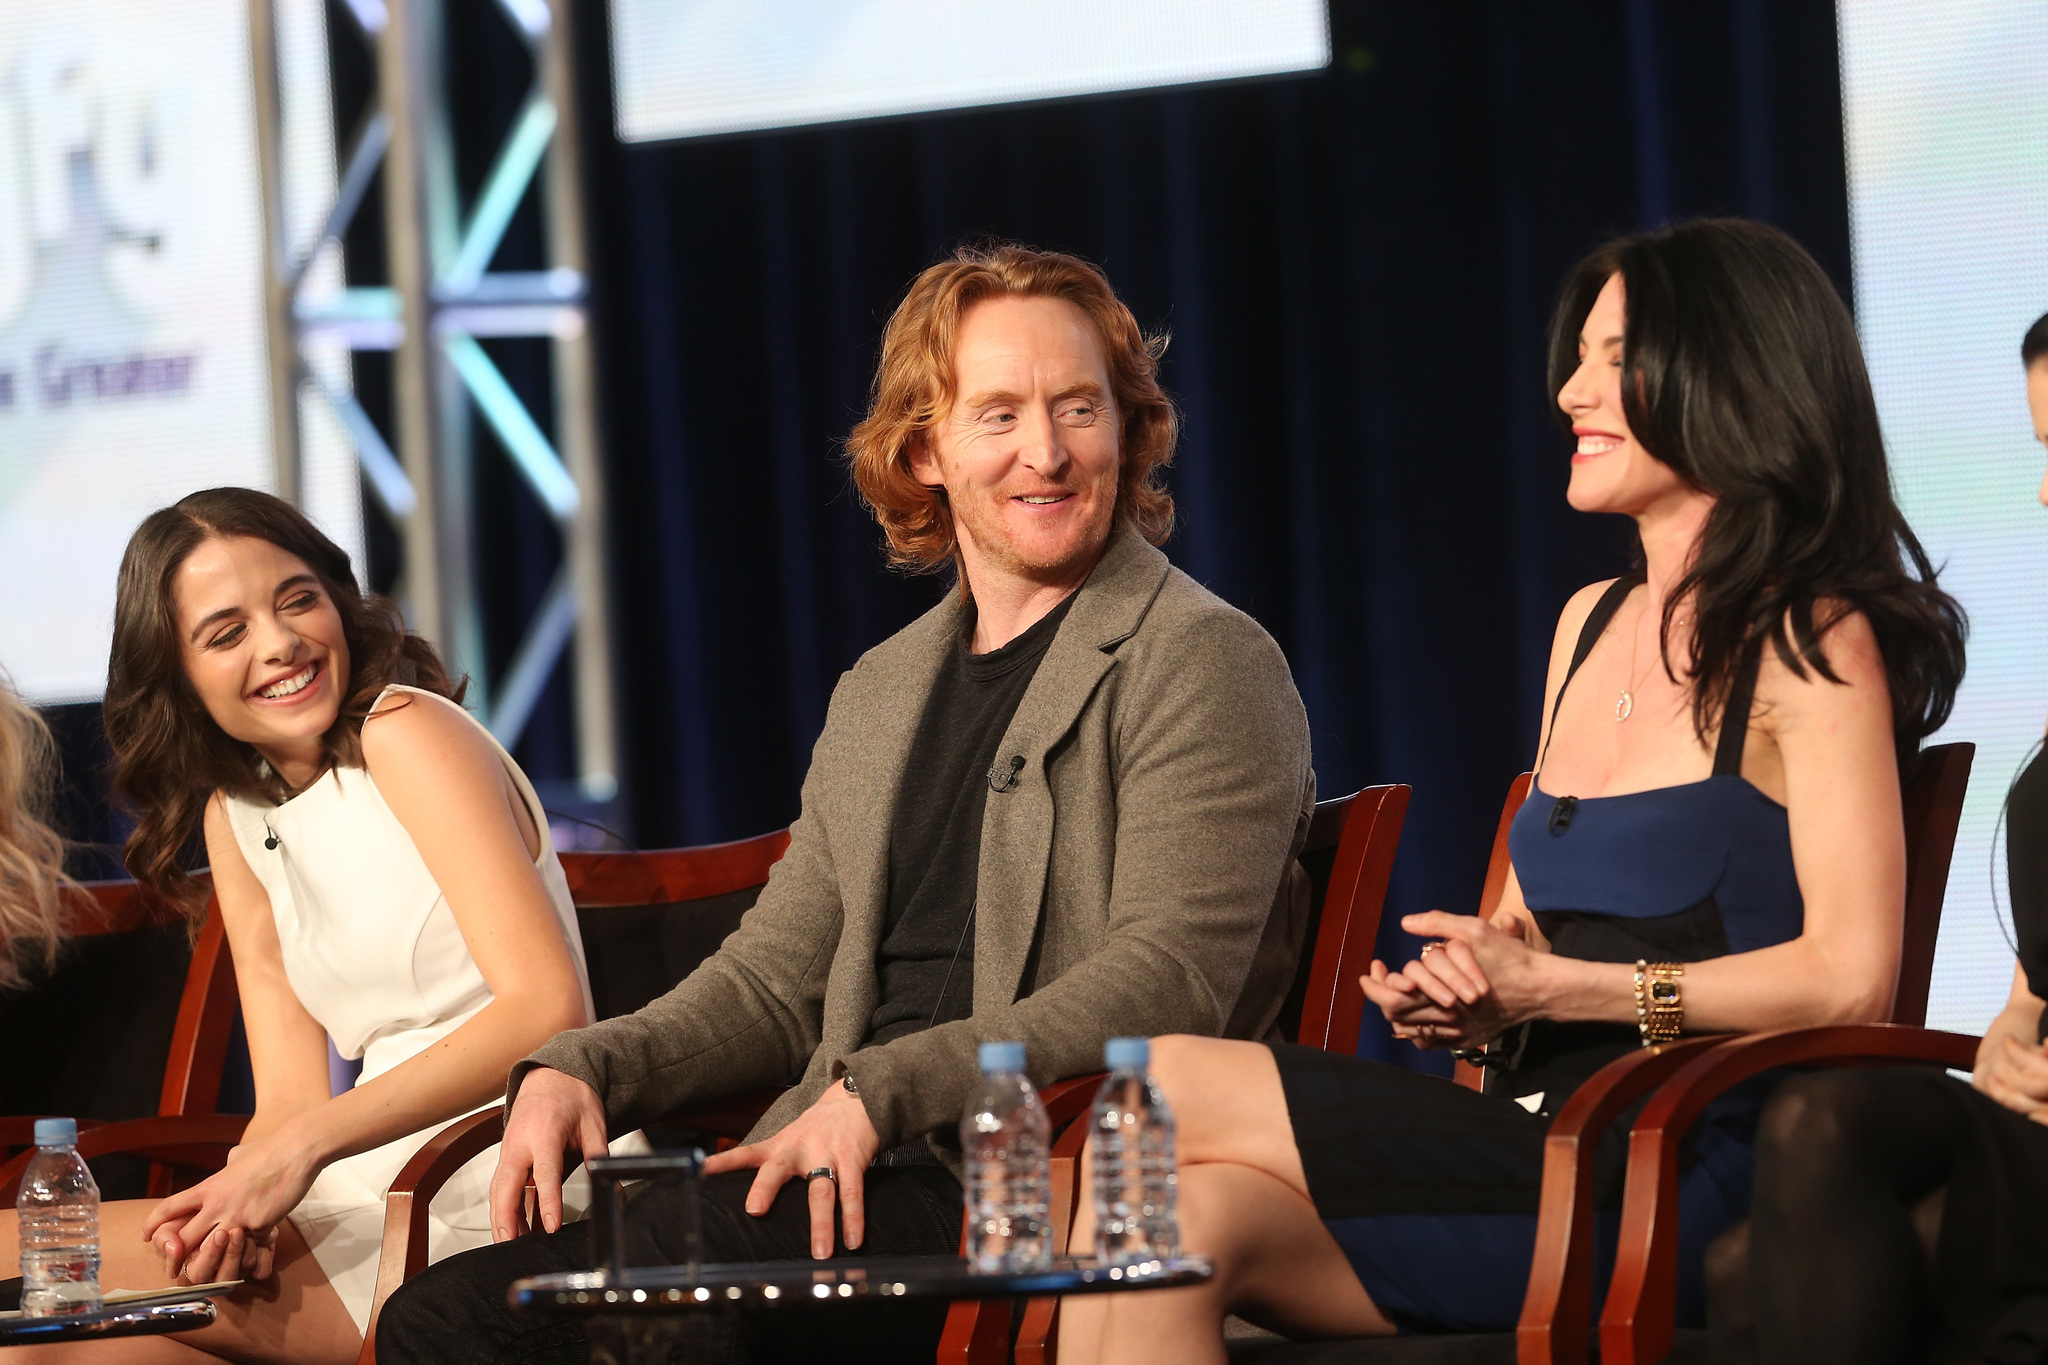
[1556, 1326]
[19, 1130]
[1637, 1325]
[201, 1140]
[164, 1138]
[404, 1253]
[1067, 1100]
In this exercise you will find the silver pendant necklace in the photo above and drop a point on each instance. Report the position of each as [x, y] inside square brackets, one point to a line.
[1625, 704]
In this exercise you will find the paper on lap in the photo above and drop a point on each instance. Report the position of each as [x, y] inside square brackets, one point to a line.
[143, 1298]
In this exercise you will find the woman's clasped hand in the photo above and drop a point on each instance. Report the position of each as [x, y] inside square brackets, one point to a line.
[1479, 978]
[2014, 1073]
[225, 1227]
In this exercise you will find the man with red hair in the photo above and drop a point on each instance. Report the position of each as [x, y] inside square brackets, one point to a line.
[1060, 807]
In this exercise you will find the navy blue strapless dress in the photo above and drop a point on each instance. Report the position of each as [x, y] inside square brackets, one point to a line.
[1432, 1189]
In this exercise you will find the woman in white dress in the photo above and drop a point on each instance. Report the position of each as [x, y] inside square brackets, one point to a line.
[386, 878]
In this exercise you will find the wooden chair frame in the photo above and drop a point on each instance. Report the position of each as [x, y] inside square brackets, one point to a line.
[1367, 834]
[1638, 1325]
[1365, 827]
[607, 880]
[193, 1067]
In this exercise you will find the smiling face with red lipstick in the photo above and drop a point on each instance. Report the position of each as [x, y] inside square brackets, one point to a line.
[1611, 471]
[264, 649]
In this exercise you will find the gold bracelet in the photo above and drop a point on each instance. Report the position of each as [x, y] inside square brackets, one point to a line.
[1660, 1002]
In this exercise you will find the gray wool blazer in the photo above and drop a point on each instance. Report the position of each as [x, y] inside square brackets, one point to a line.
[1139, 879]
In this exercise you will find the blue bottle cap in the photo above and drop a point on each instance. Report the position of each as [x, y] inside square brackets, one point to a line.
[1002, 1056]
[1132, 1053]
[56, 1132]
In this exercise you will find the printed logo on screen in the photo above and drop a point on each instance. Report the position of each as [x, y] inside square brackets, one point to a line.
[74, 340]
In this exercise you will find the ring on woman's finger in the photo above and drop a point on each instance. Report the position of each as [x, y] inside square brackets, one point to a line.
[1429, 948]
[821, 1173]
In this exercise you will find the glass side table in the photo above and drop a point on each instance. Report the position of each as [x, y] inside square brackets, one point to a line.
[634, 1312]
[664, 1290]
[147, 1321]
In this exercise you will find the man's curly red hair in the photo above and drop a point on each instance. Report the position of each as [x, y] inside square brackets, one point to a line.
[913, 389]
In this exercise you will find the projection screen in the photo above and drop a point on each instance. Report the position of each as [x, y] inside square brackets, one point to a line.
[131, 299]
[1946, 110]
[689, 68]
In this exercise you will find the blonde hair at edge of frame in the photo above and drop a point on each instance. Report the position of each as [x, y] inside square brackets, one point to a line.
[913, 390]
[32, 880]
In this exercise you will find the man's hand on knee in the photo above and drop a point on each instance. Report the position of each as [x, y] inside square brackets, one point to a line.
[834, 1135]
[554, 1114]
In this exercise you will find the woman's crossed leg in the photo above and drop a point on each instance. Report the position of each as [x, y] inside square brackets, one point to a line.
[295, 1315]
[1244, 1203]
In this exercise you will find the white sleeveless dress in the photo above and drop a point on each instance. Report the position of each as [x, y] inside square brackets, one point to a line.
[374, 954]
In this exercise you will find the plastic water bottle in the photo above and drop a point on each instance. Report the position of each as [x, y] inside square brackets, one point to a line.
[1007, 1142]
[1135, 1180]
[59, 1211]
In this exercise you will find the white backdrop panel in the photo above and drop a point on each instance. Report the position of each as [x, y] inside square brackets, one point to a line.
[1945, 103]
[686, 68]
[131, 324]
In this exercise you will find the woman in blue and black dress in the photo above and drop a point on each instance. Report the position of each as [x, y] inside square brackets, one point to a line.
[1901, 1214]
[1713, 842]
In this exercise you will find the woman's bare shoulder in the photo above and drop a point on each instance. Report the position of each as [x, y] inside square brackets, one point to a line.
[1572, 620]
[407, 727]
[1859, 684]
[1847, 642]
[1581, 603]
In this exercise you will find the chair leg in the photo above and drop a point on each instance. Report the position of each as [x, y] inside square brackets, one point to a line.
[977, 1333]
[1038, 1323]
[1038, 1333]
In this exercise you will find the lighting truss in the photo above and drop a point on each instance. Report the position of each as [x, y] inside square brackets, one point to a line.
[442, 298]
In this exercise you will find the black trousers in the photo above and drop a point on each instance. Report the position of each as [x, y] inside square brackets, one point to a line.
[456, 1311]
[1849, 1164]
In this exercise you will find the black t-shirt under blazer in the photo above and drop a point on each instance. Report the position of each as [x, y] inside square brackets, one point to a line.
[925, 965]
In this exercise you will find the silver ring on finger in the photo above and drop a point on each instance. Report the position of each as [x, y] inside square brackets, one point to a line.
[821, 1173]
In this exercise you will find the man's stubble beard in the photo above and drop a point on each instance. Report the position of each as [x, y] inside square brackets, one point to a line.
[1001, 553]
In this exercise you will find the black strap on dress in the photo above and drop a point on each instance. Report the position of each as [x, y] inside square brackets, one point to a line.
[1734, 715]
[1589, 635]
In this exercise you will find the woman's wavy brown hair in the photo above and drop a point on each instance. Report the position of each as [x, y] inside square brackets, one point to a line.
[169, 755]
[914, 388]
[32, 880]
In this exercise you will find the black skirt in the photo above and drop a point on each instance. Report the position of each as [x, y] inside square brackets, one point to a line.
[1432, 1189]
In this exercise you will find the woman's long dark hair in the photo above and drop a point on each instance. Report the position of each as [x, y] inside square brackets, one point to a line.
[1741, 371]
[169, 755]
